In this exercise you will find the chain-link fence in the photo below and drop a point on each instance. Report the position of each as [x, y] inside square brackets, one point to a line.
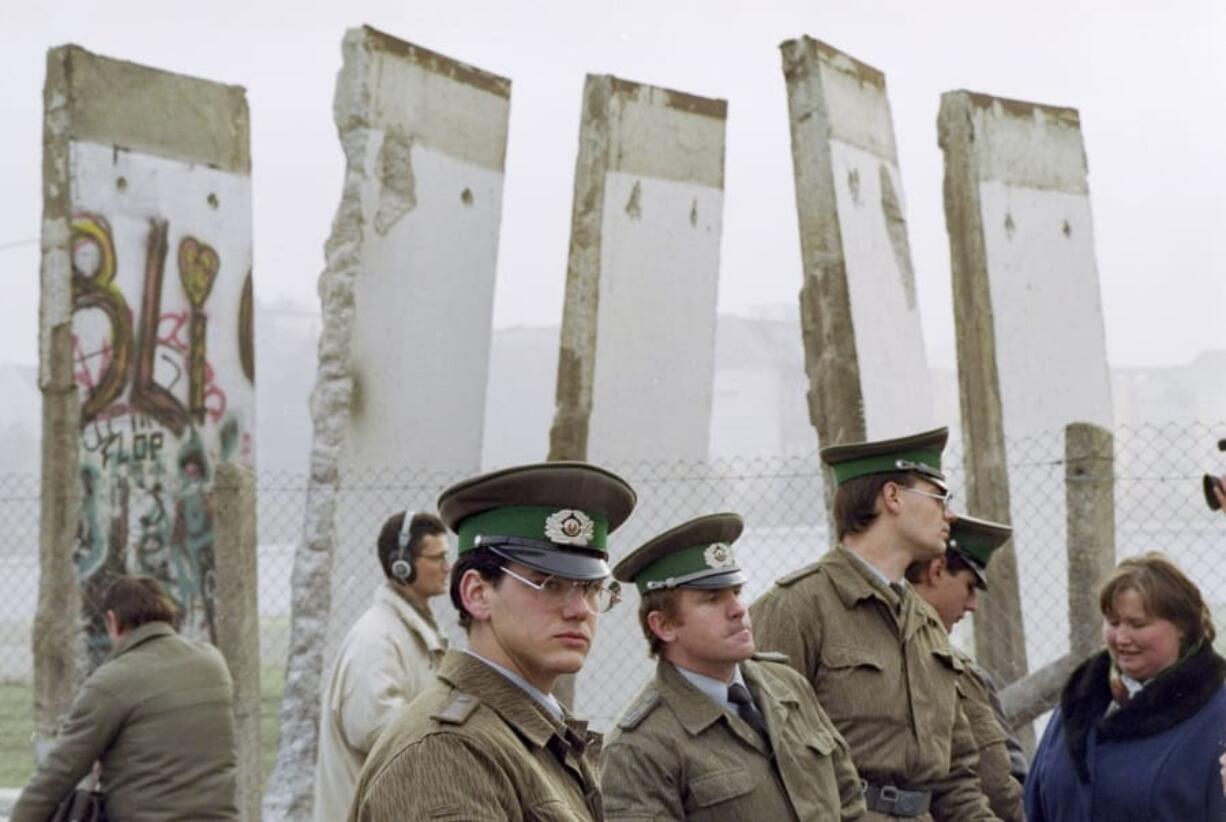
[1158, 506]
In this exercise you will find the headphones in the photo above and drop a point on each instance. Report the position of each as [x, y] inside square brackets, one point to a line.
[402, 566]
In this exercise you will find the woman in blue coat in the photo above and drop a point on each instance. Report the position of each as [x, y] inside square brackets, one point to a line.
[1140, 726]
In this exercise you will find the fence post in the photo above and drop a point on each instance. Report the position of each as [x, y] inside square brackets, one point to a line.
[238, 623]
[1089, 486]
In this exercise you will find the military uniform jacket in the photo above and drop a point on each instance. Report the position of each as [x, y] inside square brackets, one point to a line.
[676, 754]
[883, 669]
[976, 694]
[159, 716]
[474, 746]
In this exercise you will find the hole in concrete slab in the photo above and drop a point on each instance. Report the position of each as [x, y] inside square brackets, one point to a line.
[694, 212]
[212, 200]
[121, 183]
[1066, 229]
[1009, 226]
[466, 197]
[853, 184]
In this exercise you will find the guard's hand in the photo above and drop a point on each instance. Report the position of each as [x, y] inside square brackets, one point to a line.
[1222, 761]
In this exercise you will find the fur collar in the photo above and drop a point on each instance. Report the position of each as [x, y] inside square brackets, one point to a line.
[1172, 697]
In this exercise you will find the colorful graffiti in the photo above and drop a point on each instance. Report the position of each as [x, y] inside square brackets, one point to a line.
[155, 419]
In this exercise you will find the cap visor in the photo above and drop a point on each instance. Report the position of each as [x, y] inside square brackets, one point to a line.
[569, 564]
[727, 580]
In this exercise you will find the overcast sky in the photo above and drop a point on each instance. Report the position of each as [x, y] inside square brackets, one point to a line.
[1145, 76]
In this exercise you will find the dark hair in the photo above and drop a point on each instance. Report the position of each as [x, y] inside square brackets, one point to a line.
[137, 600]
[486, 563]
[918, 570]
[1166, 593]
[664, 601]
[855, 502]
[422, 525]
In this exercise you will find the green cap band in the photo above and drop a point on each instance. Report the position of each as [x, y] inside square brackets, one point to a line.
[687, 564]
[924, 460]
[560, 526]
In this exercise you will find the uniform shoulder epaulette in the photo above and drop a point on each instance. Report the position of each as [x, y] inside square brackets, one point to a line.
[459, 709]
[771, 656]
[797, 575]
[637, 712]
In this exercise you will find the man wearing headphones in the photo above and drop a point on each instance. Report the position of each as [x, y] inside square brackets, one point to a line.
[385, 660]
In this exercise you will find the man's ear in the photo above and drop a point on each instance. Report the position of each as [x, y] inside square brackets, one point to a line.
[937, 569]
[475, 594]
[661, 626]
[890, 498]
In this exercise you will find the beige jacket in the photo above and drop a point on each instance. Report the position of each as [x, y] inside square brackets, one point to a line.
[884, 671]
[475, 747]
[676, 754]
[992, 738]
[159, 715]
[388, 657]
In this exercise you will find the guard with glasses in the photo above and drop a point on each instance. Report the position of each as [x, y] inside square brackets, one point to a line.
[879, 661]
[720, 732]
[488, 739]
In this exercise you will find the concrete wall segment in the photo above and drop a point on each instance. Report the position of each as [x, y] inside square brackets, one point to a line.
[198, 121]
[666, 134]
[1027, 144]
[568, 434]
[644, 253]
[409, 261]
[436, 101]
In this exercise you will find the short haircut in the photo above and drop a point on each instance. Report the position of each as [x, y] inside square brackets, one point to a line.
[855, 501]
[1165, 591]
[422, 525]
[137, 600]
[917, 571]
[663, 600]
[486, 563]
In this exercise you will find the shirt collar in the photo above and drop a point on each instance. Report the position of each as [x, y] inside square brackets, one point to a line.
[871, 568]
[716, 689]
[1133, 685]
[547, 701]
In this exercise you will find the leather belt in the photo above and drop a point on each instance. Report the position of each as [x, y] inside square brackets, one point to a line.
[895, 801]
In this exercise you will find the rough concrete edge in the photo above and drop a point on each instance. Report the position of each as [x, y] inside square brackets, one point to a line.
[219, 141]
[999, 631]
[238, 622]
[568, 435]
[835, 400]
[839, 60]
[437, 63]
[55, 621]
[1022, 109]
[713, 107]
[290, 790]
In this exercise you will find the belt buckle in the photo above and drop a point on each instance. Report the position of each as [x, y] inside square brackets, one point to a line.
[889, 794]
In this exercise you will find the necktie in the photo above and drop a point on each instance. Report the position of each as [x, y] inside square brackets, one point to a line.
[739, 696]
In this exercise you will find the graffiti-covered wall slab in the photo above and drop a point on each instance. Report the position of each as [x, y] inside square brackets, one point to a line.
[146, 349]
[163, 363]
[637, 358]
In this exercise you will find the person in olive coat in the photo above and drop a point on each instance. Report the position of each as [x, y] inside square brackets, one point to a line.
[488, 740]
[720, 732]
[881, 665]
[950, 584]
[158, 715]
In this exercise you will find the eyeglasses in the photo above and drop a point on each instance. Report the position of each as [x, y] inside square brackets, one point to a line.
[441, 559]
[945, 499]
[598, 597]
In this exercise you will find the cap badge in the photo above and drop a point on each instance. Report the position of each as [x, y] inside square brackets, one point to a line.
[719, 555]
[569, 527]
